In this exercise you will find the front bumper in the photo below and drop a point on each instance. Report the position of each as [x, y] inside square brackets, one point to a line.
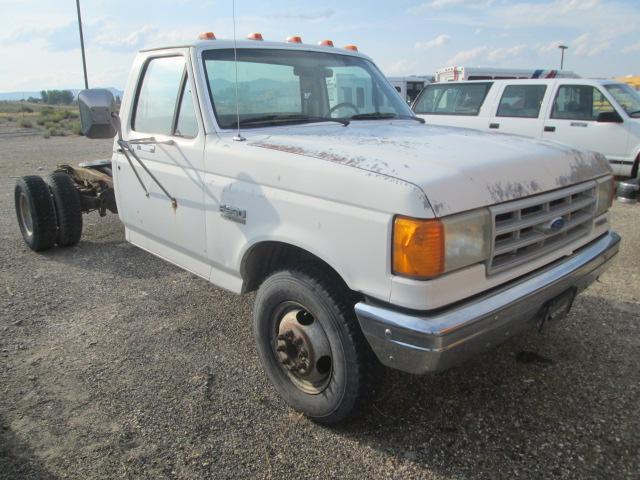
[421, 343]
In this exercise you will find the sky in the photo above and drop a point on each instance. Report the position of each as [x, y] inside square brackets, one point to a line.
[39, 46]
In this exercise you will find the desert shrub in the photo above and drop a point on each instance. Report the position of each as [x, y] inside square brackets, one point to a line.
[9, 118]
[76, 128]
[47, 111]
[25, 123]
[41, 121]
[55, 132]
[49, 124]
[46, 134]
[26, 109]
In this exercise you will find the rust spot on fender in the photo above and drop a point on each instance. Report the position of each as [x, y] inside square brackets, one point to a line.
[584, 166]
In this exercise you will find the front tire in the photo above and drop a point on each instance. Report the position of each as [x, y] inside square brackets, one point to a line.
[35, 213]
[311, 346]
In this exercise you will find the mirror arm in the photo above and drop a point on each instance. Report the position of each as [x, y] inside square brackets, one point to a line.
[150, 141]
[129, 152]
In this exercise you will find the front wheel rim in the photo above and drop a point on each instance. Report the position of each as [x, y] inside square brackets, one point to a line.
[302, 349]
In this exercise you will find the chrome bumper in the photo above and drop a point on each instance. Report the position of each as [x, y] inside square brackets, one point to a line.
[421, 343]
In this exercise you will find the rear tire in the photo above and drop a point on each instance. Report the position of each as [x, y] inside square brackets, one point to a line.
[347, 371]
[35, 213]
[66, 200]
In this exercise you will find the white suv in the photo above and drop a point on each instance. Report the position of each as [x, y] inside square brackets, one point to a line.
[598, 115]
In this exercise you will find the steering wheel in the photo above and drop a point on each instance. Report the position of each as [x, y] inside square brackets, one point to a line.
[342, 105]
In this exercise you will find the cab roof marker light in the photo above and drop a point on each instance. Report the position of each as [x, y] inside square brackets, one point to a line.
[255, 36]
[353, 48]
[325, 43]
[207, 36]
[294, 39]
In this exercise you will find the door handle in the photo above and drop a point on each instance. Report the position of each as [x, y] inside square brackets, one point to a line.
[494, 125]
[549, 129]
[146, 148]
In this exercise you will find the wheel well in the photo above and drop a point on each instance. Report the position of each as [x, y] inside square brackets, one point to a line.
[634, 169]
[265, 258]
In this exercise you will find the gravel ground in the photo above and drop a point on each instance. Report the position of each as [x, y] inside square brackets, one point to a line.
[114, 363]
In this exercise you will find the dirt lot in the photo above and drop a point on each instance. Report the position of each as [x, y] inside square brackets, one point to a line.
[116, 364]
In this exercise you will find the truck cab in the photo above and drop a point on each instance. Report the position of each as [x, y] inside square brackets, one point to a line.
[370, 238]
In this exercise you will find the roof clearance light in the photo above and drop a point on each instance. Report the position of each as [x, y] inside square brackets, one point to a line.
[294, 39]
[207, 36]
[255, 36]
[353, 48]
[325, 43]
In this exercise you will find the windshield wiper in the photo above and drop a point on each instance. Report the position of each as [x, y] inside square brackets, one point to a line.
[383, 116]
[277, 119]
[635, 112]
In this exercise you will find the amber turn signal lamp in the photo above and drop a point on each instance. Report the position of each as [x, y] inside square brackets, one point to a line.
[353, 48]
[255, 36]
[207, 36]
[325, 43]
[418, 247]
[294, 39]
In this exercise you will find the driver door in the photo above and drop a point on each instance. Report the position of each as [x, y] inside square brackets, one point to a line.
[166, 121]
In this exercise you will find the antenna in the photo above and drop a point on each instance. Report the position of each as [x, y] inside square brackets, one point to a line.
[238, 137]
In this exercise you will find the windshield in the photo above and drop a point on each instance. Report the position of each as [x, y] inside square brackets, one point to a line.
[627, 97]
[288, 86]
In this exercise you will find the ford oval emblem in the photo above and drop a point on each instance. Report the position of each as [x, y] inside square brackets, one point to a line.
[555, 224]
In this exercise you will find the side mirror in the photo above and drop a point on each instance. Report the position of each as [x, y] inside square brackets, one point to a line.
[609, 117]
[96, 106]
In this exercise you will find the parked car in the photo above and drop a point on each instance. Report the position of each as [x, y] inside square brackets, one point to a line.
[598, 115]
[370, 237]
[455, 74]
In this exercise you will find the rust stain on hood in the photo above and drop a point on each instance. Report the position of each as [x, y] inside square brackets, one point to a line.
[458, 169]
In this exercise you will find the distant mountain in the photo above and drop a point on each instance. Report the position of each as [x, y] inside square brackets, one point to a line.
[15, 96]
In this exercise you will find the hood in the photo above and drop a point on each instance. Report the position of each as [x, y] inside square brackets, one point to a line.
[457, 169]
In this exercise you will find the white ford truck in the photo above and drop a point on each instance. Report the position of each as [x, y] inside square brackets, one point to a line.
[370, 237]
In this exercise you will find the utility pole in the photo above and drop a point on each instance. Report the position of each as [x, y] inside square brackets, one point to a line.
[562, 49]
[84, 61]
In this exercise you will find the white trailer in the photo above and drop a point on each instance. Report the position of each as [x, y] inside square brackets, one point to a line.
[409, 87]
[454, 74]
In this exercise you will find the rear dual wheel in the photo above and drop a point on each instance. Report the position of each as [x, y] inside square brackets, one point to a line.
[48, 212]
[36, 213]
[68, 207]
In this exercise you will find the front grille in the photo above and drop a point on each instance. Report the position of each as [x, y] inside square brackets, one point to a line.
[521, 228]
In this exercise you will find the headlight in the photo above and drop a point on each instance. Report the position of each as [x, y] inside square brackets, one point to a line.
[427, 248]
[604, 195]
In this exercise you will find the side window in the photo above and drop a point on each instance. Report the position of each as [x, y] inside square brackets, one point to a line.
[522, 101]
[157, 95]
[360, 97]
[457, 99]
[186, 124]
[579, 102]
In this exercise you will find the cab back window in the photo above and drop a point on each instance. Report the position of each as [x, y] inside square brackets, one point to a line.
[579, 102]
[522, 101]
[452, 99]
